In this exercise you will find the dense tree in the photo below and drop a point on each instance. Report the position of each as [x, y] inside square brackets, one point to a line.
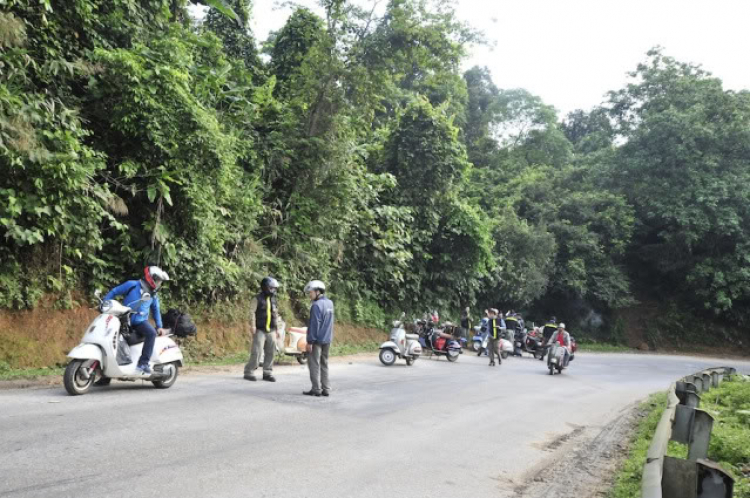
[685, 167]
[354, 151]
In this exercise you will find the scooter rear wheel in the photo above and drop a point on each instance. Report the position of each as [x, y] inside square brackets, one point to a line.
[551, 370]
[452, 355]
[503, 354]
[75, 380]
[302, 359]
[170, 380]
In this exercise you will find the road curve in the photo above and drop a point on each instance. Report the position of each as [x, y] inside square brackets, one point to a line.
[461, 429]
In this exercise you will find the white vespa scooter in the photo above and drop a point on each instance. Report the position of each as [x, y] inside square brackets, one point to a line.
[556, 359]
[108, 353]
[400, 345]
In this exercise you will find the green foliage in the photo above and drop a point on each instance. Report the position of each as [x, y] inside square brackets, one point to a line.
[729, 404]
[358, 154]
[684, 167]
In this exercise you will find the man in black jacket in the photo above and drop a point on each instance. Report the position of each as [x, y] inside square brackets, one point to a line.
[264, 320]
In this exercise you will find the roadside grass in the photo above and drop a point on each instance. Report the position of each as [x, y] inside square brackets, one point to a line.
[628, 479]
[9, 373]
[729, 404]
[597, 347]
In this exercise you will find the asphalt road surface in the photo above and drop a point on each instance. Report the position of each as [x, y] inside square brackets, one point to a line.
[456, 429]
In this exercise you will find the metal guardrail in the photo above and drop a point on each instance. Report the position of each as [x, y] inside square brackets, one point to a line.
[684, 422]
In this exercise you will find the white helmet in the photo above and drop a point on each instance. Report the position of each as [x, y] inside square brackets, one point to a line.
[155, 276]
[315, 285]
[562, 326]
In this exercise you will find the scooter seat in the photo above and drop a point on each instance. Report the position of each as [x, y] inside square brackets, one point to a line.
[133, 338]
[414, 337]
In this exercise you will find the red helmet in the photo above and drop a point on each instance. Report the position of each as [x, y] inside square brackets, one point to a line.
[154, 276]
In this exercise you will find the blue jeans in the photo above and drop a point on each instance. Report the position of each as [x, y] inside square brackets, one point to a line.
[146, 330]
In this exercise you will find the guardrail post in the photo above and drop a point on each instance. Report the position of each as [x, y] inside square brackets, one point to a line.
[715, 379]
[713, 481]
[701, 479]
[686, 392]
[700, 435]
[684, 417]
[682, 421]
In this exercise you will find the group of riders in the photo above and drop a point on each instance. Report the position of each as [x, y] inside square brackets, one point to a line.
[495, 325]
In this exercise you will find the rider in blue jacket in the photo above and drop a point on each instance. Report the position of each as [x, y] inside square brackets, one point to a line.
[133, 291]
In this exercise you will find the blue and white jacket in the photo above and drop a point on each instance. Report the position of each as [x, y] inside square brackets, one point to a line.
[132, 290]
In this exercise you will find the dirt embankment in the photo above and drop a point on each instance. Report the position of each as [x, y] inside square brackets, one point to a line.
[42, 337]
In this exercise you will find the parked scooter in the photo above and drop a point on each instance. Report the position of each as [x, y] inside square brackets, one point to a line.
[437, 342]
[290, 342]
[400, 345]
[109, 349]
[519, 342]
[534, 343]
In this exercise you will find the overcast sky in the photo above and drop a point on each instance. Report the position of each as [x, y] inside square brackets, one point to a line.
[571, 52]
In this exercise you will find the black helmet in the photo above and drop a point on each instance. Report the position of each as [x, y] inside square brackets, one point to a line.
[269, 285]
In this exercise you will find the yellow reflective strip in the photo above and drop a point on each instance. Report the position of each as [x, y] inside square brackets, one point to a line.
[268, 314]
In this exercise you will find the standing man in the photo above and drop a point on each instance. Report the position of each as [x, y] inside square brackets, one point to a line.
[466, 324]
[494, 330]
[264, 317]
[319, 337]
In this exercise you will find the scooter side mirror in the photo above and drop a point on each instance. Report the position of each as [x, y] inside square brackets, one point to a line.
[98, 293]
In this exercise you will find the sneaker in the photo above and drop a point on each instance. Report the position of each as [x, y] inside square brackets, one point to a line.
[311, 393]
[269, 378]
[250, 377]
[143, 370]
[326, 393]
[492, 364]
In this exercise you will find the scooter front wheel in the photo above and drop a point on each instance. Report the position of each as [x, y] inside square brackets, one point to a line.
[75, 380]
[551, 370]
[302, 359]
[503, 354]
[476, 346]
[387, 357]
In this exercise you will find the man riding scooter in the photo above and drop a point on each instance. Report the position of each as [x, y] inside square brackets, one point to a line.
[562, 338]
[153, 276]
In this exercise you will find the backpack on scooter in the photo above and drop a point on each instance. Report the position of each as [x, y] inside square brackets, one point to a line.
[180, 323]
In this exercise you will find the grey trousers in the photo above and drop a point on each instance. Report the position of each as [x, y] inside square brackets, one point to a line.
[492, 345]
[318, 364]
[262, 341]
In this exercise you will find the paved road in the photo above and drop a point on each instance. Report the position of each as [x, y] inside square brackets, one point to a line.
[435, 428]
